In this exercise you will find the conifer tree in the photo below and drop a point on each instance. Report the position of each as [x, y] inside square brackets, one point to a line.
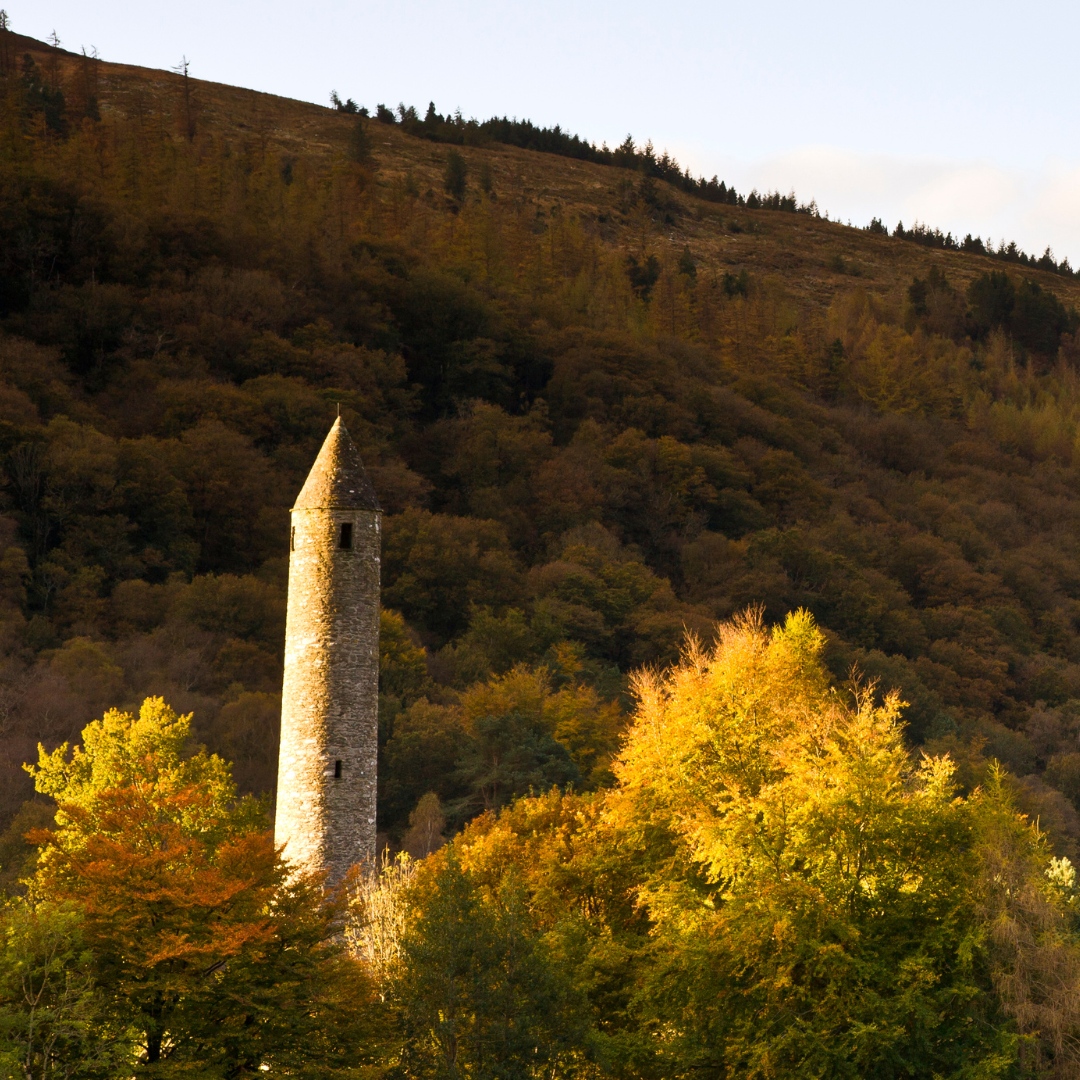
[455, 175]
[360, 142]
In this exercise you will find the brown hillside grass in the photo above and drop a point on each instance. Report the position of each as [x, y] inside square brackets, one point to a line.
[817, 259]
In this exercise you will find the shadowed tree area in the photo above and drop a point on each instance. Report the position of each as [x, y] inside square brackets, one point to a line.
[588, 440]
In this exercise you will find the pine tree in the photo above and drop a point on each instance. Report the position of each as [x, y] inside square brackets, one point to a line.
[455, 176]
[359, 150]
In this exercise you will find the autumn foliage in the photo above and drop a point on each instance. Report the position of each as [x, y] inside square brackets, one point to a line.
[773, 887]
[769, 885]
[601, 413]
[588, 440]
[202, 947]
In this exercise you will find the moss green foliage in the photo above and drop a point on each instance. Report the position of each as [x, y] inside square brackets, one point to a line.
[50, 1008]
[479, 992]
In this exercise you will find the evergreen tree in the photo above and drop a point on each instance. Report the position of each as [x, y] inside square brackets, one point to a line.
[360, 142]
[455, 175]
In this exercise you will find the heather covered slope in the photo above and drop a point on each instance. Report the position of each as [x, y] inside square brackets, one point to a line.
[598, 410]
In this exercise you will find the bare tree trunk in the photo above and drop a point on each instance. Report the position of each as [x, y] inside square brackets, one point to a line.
[189, 106]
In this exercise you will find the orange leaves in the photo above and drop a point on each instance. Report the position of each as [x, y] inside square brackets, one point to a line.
[128, 761]
[152, 846]
[158, 896]
[204, 947]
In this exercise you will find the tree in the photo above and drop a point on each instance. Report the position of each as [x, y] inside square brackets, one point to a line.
[775, 886]
[455, 175]
[403, 673]
[426, 825]
[687, 263]
[822, 919]
[7, 61]
[511, 745]
[436, 565]
[41, 97]
[991, 297]
[182, 69]
[1029, 903]
[419, 758]
[51, 1013]
[643, 276]
[204, 948]
[359, 141]
[477, 991]
[347, 106]
[1039, 319]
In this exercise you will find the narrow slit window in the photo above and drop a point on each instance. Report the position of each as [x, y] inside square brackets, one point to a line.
[292, 538]
[337, 770]
[345, 536]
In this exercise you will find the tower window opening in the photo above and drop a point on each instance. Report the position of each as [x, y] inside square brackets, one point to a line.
[337, 770]
[292, 538]
[345, 537]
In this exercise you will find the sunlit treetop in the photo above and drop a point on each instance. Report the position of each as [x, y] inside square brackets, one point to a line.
[147, 759]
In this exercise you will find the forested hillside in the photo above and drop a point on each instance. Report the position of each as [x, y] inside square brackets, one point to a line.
[599, 410]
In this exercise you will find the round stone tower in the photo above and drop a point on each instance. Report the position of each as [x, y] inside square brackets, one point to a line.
[330, 695]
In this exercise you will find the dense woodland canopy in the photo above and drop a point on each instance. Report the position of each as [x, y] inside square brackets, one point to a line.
[600, 413]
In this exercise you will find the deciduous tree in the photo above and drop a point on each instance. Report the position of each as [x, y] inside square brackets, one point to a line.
[206, 949]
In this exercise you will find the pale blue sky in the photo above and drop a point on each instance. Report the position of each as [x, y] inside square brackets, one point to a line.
[960, 114]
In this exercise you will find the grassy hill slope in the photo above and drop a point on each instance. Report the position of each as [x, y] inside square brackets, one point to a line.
[599, 411]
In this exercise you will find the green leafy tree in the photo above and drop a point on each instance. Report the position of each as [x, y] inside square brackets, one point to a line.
[478, 993]
[437, 565]
[402, 663]
[51, 1013]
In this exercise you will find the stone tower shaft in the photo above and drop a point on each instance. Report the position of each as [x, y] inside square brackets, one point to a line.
[325, 814]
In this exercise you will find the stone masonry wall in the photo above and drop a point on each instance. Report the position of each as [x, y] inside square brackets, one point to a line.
[330, 699]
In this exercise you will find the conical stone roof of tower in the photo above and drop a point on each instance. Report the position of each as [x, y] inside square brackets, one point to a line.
[337, 479]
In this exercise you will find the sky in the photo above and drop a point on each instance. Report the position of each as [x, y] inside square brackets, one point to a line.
[960, 115]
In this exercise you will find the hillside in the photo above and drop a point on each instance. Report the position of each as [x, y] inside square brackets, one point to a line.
[598, 410]
[801, 249]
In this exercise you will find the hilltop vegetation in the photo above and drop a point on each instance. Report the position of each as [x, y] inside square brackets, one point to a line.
[652, 166]
[597, 411]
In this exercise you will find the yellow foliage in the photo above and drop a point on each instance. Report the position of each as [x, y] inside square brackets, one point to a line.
[768, 775]
[578, 718]
[145, 754]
